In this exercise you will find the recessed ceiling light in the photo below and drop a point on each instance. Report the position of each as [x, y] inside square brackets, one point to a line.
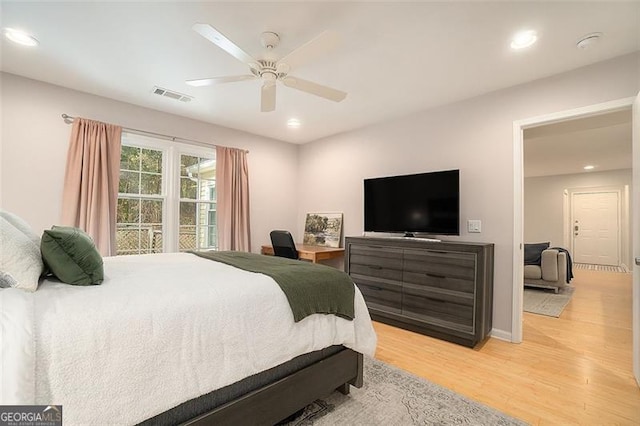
[589, 167]
[20, 37]
[293, 123]
[523, 39]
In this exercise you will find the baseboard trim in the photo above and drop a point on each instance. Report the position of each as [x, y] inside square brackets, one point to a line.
[501, 335]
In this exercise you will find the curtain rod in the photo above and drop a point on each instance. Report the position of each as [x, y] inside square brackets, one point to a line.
[69, 119]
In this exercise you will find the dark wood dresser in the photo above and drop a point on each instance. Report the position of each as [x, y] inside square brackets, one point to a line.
[442, 289]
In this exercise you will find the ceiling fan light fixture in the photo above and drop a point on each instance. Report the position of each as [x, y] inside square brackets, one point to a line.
[269, 39]
[20, 37]
[523, 39]
[270, 68]
[293, 123]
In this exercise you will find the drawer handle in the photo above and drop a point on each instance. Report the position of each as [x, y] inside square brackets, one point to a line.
[434, 275]
[375, 266]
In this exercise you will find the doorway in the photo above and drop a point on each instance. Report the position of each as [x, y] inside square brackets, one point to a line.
[595, 227]
[518, 241]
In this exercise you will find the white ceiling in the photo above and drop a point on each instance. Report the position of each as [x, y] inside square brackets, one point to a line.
[603, 141]
[394, 59]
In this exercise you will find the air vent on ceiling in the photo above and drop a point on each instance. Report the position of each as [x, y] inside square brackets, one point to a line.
[171, 94]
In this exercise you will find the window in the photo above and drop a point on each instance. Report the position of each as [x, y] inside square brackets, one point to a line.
[167, 197]
[140, 201]
[212, 217]
[197, 203]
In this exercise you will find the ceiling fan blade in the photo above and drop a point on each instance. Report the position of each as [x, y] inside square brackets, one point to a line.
[217, 38]
[268, 97]
[315, 89]
[315, 47]
[218, 80]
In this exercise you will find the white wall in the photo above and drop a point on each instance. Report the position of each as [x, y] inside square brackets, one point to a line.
[475, 136]
[35, 140]
[543, 205]
[636, 237]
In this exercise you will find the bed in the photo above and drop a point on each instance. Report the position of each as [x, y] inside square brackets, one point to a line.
[175, 338]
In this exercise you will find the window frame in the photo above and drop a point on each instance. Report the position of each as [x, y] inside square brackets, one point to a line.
[170, 187]
[144, 142]
[182, 149]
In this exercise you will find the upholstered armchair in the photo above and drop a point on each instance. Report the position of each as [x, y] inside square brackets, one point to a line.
[551, 273]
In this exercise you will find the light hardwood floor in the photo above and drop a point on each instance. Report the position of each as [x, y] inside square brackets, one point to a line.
[576, 369]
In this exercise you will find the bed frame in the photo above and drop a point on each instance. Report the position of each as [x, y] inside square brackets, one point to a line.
[276, 401]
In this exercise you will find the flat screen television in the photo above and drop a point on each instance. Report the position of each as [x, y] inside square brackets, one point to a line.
[425, 202]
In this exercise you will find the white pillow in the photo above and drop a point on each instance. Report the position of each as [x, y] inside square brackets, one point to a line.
[20, 259]
[22, 226]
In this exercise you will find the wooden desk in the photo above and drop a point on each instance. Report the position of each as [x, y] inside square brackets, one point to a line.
[312, 253]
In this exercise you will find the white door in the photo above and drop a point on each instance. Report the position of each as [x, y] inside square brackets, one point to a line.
[595, 228]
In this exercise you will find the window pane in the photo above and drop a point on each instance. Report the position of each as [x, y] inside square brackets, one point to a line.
[188, 188]
[206, 169]
[128, 228]
[129, 183]
[151, 184]
[151, 160]
[139, 226]
[213, 194]
[208, 190]
[151, 238]
[188, 220]
[188, 165]
[187, 238]
[213, 236]
[130, 158]
[151, 212]
[203, 213]
[188, 213]
[158, 242]
[127, 239]
[197, 226]
[128, 211]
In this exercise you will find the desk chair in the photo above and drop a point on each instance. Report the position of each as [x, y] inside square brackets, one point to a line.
[283, 244]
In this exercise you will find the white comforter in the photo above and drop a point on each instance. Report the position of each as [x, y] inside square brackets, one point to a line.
[161, 329]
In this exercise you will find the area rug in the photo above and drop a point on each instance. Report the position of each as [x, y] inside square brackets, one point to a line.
[601, 268]
[394, 397]
[546, 302]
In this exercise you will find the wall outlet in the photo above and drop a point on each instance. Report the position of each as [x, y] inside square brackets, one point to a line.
[474, 226]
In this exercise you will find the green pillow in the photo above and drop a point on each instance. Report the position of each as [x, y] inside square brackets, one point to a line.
[72, 256]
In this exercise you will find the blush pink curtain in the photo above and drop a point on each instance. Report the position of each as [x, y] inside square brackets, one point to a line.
[90, 195]
[232, 184]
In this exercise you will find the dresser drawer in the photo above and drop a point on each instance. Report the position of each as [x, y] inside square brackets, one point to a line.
[430, 279]
[428, 310]
[450, 270]
[380, 262]
[375, 255]
[380, 294]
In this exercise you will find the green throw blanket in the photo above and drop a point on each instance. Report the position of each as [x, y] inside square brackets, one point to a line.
[310, 288]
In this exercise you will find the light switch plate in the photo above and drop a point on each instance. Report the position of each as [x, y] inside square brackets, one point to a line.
[474, 226]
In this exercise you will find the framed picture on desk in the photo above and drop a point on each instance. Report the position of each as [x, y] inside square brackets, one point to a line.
[323, 229]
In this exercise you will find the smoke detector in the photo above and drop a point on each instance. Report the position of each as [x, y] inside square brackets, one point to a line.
[589, 40]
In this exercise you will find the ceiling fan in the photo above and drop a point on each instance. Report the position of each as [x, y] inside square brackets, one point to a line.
[269, 69]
